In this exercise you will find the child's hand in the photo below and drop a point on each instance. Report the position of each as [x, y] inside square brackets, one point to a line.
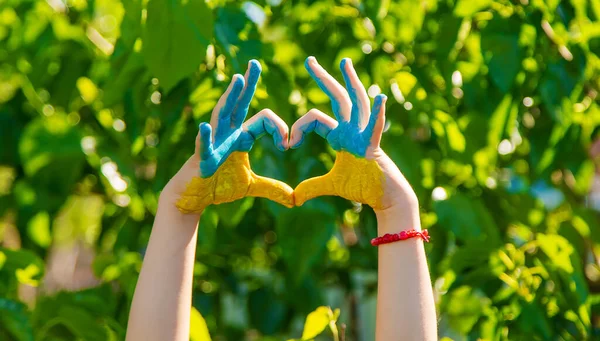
[362, 171]
[219, 171]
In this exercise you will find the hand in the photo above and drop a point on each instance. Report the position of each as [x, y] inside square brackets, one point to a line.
[362, 172]
[219, 171]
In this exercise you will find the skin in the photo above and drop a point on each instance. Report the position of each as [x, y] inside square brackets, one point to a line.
[405, 310]
[405, 306]
[224, 173]
[162, 301]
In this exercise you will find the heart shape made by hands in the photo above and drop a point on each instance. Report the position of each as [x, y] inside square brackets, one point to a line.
[361, 169]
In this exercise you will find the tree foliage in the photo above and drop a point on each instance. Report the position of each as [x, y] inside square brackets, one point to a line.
[492, 112]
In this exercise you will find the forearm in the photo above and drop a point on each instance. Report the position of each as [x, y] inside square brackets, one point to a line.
[162, 301]
[405, 307]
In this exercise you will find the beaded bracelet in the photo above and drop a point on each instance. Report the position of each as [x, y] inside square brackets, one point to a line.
[403, 235]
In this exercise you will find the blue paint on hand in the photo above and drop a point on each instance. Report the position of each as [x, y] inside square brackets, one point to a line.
[348, 134]
[266, 125]
[229, 135]
[335, 104]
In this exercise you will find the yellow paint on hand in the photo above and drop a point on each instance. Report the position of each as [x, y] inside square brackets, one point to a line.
[351, 177]
[232, 181]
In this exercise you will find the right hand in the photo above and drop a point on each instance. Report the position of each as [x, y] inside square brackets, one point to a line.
[362, 172]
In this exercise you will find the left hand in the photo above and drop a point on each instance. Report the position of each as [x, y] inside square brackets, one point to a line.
[362, 172]
[219, 171]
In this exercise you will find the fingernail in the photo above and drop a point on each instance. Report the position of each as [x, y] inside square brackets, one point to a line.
[345, 62]
[238, 80]
[204, 128]
[286, 141]
[255, 64]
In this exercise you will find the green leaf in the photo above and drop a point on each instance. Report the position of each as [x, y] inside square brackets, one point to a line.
[79, 322]
[239, 37]
[447, 36]
[406, 82]
[408, 17]
[10, 131]
[97, 301]
[176, 36]
[28, 275]
[24, 266]
[316, 322]
[123, 77]
[584, 177]
[474, 221]
[47, 142]
[463, 308]
[131, 23]
[533, 320]
[267, 311]
[466, 8]
[445, 127]
[501, 50]
[561, 80]
[50, 149]
[230, 214]
[409, 163]
[38, 229]
[558, 250]
[14, 319]
[198, 328]
[303, 234]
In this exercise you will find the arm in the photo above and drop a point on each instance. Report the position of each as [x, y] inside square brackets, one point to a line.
[161, 304]
[405, 307]
[218, 172]
[362, 172]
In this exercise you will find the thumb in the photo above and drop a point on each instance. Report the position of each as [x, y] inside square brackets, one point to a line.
[272, 189]
[314, 187]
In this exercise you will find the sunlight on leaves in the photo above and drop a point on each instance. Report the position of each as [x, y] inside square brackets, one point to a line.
[317, 322]
[558, 249]
[198, 328]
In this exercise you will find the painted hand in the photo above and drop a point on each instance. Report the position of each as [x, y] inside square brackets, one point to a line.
[219, 171]
[362, 172]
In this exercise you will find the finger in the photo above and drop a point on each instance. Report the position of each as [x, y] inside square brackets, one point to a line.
[220, 119]
[266, 121]
[251, 77]
[271, 189]
[340, 101]
[359, 114]
[204, 145]
[312, 188]
[314, 120]
[374, 129]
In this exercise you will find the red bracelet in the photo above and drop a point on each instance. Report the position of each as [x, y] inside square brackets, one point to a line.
[403, 235]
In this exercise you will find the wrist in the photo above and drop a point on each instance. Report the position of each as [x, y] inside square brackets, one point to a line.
[398, 218]
[167, 208]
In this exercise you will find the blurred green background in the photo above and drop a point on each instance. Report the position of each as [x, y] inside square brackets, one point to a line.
[493, 115]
